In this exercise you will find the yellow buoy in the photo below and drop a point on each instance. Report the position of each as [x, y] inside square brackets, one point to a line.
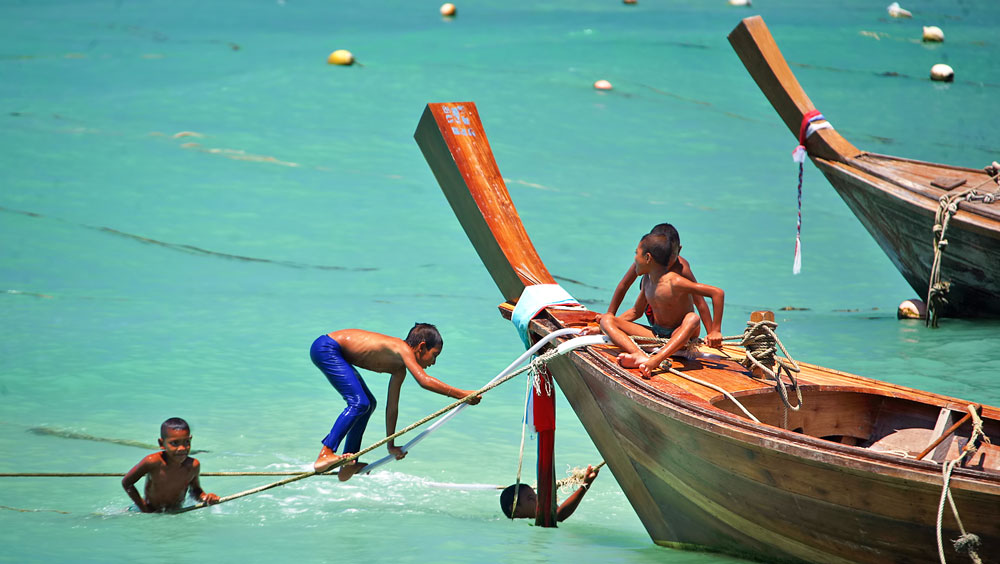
[341, 57]
[942, 73]
[448, 10]
[602, 85]
[933, 34]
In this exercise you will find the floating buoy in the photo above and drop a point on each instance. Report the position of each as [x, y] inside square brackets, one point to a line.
[630, 1]
[897, 12]
[739, 3]
[448, 10]
[341, 57]
[933, 34]
[602, 85]
[911, 309]
[942, 73]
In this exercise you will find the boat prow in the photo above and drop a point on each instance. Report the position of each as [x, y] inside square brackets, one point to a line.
[898, 200]
[709, 455]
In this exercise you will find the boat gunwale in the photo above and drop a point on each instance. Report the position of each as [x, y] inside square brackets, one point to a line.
[711, 418]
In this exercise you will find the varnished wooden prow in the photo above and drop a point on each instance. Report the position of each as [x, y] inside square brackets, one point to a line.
[453, 141]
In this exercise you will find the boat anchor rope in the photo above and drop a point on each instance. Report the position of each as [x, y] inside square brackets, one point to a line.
[937, 291]
[967, 542]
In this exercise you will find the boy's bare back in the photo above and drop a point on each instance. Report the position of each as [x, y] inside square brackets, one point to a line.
[373, 351]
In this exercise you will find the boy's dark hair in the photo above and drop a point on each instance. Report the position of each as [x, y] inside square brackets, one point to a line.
[661, 247]
[424, 333]
[507, 498]
[666, 230]
[173, 424]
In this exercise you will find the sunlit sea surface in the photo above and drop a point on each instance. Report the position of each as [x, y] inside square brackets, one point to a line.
[191, 194]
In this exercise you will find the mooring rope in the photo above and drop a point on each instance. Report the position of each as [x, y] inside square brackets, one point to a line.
[541, 359]
[966, 542]
[937, 291]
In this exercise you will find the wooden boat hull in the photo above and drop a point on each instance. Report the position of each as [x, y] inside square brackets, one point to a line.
[896, 199]
[902, 222]
[698, 482]
[835, 481]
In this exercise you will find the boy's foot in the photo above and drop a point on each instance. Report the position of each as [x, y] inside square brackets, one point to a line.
[350, 469]
[326, 459]
[632, 360]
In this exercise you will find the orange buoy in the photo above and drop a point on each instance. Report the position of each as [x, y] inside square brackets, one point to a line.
[602, 85]
[448, 10]
[341, 57]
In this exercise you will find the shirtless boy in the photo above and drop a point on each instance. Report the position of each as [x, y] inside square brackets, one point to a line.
[682, 267]
[336, 354]
[527, 499]
[669, 295]
[170, 473]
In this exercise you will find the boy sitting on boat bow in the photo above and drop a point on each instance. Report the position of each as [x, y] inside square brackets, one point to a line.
[670, 296]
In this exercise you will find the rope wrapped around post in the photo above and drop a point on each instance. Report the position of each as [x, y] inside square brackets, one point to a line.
[761, 344]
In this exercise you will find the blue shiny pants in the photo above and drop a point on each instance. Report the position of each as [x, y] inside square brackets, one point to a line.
[326, 355]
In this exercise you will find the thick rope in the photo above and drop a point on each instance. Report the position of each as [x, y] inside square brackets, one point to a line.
[121, 474]
[520, 456]
[967, 542]
[761, 344]
[937, 291]
[368, 449]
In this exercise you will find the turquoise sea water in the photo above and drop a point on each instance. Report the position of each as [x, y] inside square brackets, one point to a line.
[191, 195]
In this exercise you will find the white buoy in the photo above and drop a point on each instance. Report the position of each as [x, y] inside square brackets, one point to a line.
[448, 10]
[942, 73]
[897, 12]
[933, 34]
[739, 2]
[911, 309]
[602, 85]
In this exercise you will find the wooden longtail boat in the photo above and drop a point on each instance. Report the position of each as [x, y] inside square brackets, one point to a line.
[836, 481]
[896, 199]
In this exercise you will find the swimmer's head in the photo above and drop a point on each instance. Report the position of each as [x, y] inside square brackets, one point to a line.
[173, 424]
[526, 500]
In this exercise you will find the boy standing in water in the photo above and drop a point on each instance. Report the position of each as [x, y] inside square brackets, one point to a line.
[682, 267]
[670, 296]
[336, 354]
[170, 473]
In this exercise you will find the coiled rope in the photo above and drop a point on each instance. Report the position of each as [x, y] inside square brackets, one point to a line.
[937, 291]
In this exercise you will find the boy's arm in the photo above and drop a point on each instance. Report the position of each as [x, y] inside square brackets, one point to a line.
[621, 290]
[712, 336]
[715, 294]
[428, 382]
[573, 501]
[194, 488]
[392, 412]
[130, 479]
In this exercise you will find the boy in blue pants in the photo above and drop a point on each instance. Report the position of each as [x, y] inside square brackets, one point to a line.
[336, 354]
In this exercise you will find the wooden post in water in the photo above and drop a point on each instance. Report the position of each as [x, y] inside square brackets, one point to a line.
[544, 414]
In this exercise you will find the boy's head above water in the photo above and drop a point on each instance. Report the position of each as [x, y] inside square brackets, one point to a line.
[426, 342]
[175, 438]
[526, 500]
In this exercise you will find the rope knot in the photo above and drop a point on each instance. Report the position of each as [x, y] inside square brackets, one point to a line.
[968, 542]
